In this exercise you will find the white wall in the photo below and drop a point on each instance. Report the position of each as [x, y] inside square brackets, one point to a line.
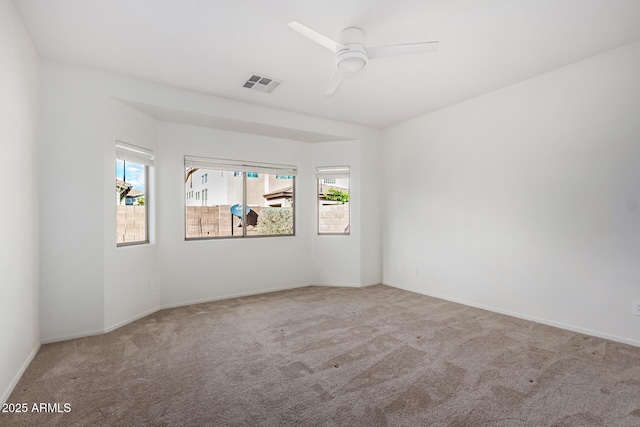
[89, 285]
[19, 340]
[130, 284]
[354, 259]
[526, 200]
[203, 270]
[337, 258]
[373, 205]
[194, 271]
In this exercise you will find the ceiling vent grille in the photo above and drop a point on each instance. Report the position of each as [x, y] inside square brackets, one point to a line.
[261, 83]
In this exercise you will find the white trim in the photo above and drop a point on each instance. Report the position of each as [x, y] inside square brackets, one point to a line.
[72, 336]
[18, 375]
[333, 171]
[343, 285]
[153, 310]
[560, 325]
[187, 303]
[133, 153]
[239, 166]
[130, 320]
[101, 331]
[242, 294]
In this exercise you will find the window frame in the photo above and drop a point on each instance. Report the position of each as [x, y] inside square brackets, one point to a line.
[332, 172]
[241, 169]
[142, 157]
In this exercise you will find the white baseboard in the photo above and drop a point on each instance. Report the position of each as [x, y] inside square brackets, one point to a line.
[153, 310]
[560, 325]
[229, 296]
[18, 375]
[182, 304]
[129, 320]
[99, 331]
[71, 336]
[341, 285]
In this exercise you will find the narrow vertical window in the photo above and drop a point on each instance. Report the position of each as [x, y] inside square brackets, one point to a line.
[132, 194]
[333, 200]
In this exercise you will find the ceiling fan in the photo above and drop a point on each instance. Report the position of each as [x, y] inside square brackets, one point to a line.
[352, 54]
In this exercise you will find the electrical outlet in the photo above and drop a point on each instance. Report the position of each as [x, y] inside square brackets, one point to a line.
[319, 266]
[636, 308]
[399, 268]
[415, 270]
[152, 286]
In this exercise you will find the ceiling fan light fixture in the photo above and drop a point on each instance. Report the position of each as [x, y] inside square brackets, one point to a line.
[352, 55]
[351, 61]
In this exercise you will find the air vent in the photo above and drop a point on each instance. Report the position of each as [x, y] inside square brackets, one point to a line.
[261, 83]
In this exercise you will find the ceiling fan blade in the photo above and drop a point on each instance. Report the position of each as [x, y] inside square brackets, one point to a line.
[401, 49]
[335, 82]
[322, 40]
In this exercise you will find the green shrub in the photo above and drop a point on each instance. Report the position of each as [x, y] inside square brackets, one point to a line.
[336, 195]
[275, 221]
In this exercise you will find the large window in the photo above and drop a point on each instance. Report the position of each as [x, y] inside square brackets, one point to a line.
[132, 194]
[239, 199]
[333, 200]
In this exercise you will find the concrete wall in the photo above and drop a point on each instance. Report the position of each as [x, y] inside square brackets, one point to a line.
[526, 200]
[19, 225]
[131, 223]
[333, 218]
[217, 221]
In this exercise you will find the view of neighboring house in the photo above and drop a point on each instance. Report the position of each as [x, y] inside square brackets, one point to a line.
[127, 195]
[206, 187]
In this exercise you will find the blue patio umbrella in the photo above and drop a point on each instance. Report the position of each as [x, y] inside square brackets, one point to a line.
[237, 210]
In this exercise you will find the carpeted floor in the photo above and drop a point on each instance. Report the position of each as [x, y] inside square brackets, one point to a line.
[322, 356]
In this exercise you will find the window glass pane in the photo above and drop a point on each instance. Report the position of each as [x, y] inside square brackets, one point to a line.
[131, 202]
[271, 203]
[209, 213]
[221, 201]
[333, 205]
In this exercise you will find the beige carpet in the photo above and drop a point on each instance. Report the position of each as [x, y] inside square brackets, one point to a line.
[333, 357]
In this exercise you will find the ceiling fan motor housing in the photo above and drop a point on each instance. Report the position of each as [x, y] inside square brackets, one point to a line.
[353, 57]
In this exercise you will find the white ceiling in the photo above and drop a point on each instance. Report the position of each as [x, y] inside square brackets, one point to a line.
[212, 46]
